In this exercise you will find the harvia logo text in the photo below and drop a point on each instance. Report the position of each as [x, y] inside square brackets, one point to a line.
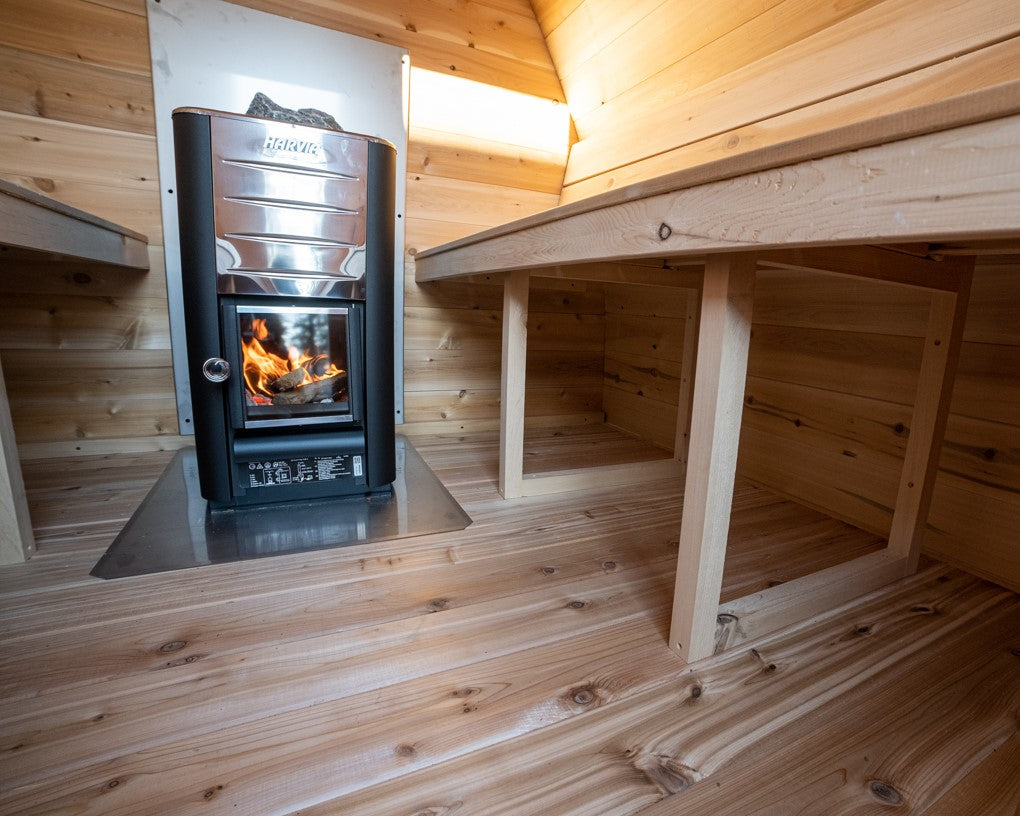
[299, 147]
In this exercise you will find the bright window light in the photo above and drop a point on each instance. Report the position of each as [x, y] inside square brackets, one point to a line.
[449, 103]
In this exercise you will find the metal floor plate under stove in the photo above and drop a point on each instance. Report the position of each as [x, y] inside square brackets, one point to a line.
[174, 528]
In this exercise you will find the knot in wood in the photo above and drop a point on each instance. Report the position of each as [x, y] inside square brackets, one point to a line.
[583, 695]
[884, 792]
[665, 230]
[211, 792]
[667, 774]
[577, 605]
[609, 566]
[548, 570]
[173, 646]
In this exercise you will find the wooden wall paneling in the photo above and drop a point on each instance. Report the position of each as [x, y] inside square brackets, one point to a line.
[928, 421]
[40, 274]
[77, 321]
[975, 528]
[450, 369]
[724, 335]
[109, 173]
[811, 300]
[657, 301]
[964, 74]
[988, 382]
[90, 394]
[474, 328]
[445, 199]
[116, 446]
[498, 43]
[855, 422]
[646, 338]
[644, 335]
[706, 42]
[552, 13]
[591, 28]
[74, 31]
[826, 479]
[512, 379]
[656, 378]
[50, 87]
[426, 328]
[565, 331]
[647, 419]
[838, 361]
[421, 233]
[453, 294]
[454, 155]
[854, 53]
[994, 301]
[454, 407]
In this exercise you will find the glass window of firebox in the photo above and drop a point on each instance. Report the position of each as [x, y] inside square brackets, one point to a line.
[295, 364]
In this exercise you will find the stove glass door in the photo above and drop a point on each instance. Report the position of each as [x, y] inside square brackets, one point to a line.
[296, 365]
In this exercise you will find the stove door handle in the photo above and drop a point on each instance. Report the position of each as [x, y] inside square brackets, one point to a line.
[216, 370]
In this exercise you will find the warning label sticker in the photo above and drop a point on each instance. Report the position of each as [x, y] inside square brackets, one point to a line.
[278, 472]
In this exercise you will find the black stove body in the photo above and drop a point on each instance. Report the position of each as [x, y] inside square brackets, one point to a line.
[286, 235]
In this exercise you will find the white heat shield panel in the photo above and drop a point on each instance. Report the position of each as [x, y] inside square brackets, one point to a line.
[215, 55]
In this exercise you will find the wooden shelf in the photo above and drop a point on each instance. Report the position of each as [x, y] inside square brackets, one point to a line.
[30, 221]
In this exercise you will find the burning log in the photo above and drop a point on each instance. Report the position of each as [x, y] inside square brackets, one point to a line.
[289, 381]
[311, 392]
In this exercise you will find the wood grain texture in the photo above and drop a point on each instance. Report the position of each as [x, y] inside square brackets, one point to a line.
[394, 677]
[512, 384]
[649, 118]
[50, 87]
[727, 301]
[497, 42]
[904, 94]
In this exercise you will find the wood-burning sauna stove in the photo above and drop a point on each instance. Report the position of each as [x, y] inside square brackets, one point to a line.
[287, 269]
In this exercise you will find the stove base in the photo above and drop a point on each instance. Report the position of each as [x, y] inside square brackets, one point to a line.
[174, 527]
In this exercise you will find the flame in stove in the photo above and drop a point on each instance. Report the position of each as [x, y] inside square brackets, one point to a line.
[263, 369]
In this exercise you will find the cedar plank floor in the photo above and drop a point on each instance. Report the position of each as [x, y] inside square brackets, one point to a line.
[517, 667]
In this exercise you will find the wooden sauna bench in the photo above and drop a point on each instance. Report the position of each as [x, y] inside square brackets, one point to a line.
[907, 198]
[34, 224]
